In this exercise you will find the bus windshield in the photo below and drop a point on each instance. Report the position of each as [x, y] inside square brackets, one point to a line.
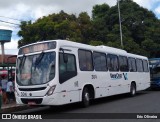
[35, 69]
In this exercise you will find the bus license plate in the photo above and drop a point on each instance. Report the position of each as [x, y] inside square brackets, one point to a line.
[23, 94]
[31, 103]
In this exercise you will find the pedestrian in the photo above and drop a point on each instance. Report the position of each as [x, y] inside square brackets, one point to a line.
[4, 88]
[10, 91]
[0, 82]
[0, 97]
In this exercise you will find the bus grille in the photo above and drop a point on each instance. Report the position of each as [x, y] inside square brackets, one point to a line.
[36, 100]
[32, 89]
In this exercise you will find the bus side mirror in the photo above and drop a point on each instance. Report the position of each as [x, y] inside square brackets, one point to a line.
[65, 56]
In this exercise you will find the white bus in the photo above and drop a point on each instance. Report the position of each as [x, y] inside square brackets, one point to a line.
[59, 72]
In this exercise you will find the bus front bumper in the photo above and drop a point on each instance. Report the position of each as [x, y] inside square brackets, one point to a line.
[46, 100]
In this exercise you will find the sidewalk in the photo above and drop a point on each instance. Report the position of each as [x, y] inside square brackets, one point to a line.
[11, 107]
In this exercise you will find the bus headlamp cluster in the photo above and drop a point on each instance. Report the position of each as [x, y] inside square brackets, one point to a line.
[51, 90]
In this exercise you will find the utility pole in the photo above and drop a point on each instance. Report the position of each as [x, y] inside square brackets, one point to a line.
[2, 56]
[120, 27]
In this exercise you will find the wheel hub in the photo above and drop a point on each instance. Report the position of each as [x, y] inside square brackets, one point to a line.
[87, 97]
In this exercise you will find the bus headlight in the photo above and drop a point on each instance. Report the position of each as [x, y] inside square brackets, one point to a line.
[51, 90]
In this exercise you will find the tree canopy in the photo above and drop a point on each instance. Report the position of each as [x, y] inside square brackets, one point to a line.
[140, 27]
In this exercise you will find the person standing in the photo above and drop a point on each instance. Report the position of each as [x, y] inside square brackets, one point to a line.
[4, 87]
[10, 91]
[0, 97]
[0, 83]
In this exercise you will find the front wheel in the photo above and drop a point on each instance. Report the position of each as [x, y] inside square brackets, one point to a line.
[85, 98]
[133, 89]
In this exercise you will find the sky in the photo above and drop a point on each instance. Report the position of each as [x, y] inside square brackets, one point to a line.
[24, 10]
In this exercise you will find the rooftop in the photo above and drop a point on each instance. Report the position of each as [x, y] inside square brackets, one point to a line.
[11, 60]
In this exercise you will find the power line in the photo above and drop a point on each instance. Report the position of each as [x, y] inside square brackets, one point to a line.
[11, 26]
[11, 18]
[9, 22]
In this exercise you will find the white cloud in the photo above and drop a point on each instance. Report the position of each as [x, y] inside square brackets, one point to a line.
[145, 3]
[157, 10]
[43, 11]
[6, 27]
[33, 9]
[21, 9]
[11, 47]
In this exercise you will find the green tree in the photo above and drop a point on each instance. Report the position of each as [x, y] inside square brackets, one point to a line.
[85, 27]
[138, 25]
[95, 43]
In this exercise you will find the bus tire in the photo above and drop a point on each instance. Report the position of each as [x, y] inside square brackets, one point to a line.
[85, 97]
[133, 90]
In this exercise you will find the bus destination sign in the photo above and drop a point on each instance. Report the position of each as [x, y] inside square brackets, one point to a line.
[37, 48]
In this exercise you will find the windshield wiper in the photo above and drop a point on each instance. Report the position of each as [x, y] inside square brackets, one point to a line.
[38, 60]
[22, 61]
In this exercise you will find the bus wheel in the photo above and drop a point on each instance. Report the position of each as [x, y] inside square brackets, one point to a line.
[85, 98]
[133, 89]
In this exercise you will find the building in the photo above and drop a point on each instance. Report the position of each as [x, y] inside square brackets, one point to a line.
[7, 67]
[11, 60]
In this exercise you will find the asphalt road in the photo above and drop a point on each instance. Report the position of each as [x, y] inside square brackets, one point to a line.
[118, 107]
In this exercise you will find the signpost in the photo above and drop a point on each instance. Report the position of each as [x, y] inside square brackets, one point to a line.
[5, 36]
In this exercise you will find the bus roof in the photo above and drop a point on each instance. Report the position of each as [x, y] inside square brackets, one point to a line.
[101, 48]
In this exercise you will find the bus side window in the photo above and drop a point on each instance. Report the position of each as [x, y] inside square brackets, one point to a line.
[145, 66]
[123, 63]
[108, 63]
[112, 62]
[99, 61]
[132, 64]
[139, 64]
[67, 70]
[85, 60]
